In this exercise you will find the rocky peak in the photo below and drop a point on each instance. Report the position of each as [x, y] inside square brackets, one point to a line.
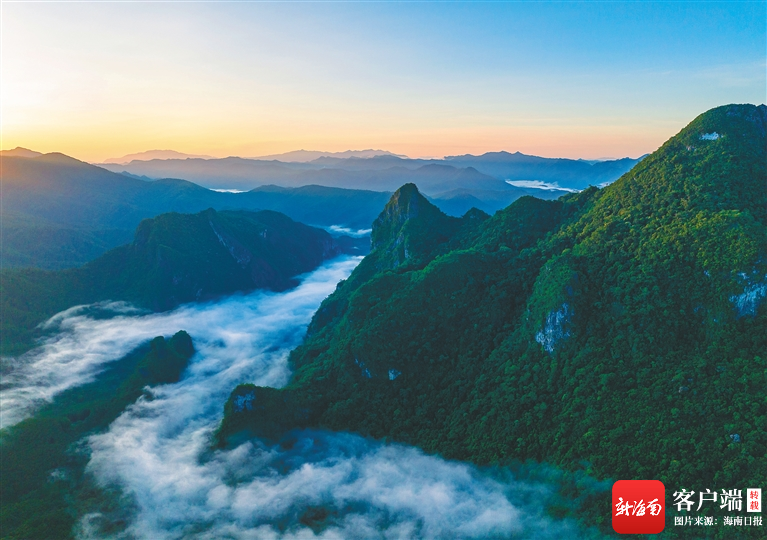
[409, 230]
[407, 203]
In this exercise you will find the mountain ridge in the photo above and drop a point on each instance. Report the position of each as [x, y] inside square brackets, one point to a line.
[247, 173]
[61, 212]
[173, 259]
[20, 152]
[302, 156]
[527, 337]
[155, 154]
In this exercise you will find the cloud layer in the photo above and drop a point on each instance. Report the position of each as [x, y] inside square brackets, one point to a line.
[88, 337]
[356, 233]
[313, 484]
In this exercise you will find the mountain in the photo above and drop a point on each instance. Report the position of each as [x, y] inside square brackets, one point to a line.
[154, 154]
[57, 189]
[246, 174]
[620, 331]
[225, 173]
[567, 173]
[19, 152]
[173, 259]
[303, 156]
[384, 172]
[373, 163]
[36, 449]
[59, 212]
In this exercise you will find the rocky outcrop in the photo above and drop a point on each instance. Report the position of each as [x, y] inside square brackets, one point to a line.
[749, 300]
[554, 328]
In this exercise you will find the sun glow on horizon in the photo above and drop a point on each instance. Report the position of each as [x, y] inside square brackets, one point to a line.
[99, 81]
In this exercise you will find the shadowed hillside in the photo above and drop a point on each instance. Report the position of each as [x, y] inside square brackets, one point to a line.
[58, 212]
[173, 259]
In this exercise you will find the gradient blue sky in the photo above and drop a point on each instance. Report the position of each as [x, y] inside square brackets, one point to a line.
[574, 79]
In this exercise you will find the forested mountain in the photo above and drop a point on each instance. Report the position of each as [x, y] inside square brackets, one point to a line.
[173, 259]
[60, 212]
[620, 330]
[38, 451]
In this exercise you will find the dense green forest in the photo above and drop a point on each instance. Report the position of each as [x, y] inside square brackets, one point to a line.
[45, 488]
[173, 259]
[620, 331]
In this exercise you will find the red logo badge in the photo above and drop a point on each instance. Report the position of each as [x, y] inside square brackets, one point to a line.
[639, 506]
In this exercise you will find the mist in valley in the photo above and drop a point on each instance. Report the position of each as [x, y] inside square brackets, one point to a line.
[158, 454]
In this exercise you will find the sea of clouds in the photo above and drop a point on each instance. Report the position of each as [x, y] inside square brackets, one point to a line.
[313, 484]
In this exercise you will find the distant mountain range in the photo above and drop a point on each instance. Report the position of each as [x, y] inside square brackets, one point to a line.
[383, 172]
[59, 212]
[303, 156]
[155, 154]
[296, 156]
[173, 259]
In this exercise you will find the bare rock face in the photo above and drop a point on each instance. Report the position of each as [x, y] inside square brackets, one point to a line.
[554, 329]
[749, 300]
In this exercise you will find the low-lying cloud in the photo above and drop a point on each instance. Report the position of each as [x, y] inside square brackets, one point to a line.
[313, 484]
[88, 337]
[538, 184]
[356, 233]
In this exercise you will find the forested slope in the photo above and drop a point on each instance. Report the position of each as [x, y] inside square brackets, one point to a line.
[621, 330]
[44, 483]
[174, 258]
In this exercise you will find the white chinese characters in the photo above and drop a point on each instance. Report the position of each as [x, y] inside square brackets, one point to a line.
[638, 508]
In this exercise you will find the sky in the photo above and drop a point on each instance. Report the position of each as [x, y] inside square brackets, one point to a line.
[589, 80]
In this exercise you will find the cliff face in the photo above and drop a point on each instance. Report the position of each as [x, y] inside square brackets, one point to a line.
[622, 327]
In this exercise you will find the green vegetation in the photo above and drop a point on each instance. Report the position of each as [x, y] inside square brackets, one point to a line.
[32, 244]
[174, 258]
[619, 331]
[44, 486]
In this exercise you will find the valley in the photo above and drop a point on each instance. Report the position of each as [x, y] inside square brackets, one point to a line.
[333, 270]
[233, 371]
